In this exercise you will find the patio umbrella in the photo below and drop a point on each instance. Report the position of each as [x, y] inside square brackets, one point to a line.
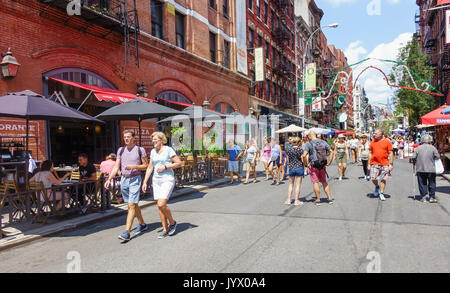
[436, 117]
[32, 106]
[318, 130]
[291, 128]
[446, 110]
[137, 110]
[196, 112]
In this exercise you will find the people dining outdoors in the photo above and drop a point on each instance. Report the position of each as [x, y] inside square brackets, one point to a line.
[45, 175]
[107, 165]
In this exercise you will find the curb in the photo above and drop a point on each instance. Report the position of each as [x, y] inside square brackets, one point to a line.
[446, 176]
[100, 216]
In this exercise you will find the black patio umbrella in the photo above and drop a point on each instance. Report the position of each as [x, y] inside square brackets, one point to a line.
[137, 110]
[32, 106]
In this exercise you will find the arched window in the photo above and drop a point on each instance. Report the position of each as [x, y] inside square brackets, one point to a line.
[173, 99]
[81, 76]
[223, 108]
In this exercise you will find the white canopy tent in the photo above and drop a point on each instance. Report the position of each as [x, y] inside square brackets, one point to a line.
[291, 128]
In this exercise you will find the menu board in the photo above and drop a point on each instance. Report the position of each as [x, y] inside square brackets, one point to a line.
[13, 131]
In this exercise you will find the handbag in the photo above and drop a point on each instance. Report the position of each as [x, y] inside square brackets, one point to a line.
[439, 166]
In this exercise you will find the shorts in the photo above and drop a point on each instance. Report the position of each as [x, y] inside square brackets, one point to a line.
[250, 163]
[318, 175]
[265, 159]
[131, 189]
[233, 166]
[299, 172]
[378, 172]
[162, 187]
[341, 159]
[275, 161]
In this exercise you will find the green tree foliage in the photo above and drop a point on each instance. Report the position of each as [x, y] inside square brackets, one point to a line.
[415, 104]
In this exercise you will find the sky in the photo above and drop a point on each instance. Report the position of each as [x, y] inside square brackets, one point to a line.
[370, 28]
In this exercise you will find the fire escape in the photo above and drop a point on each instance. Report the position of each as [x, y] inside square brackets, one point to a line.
[110, 15]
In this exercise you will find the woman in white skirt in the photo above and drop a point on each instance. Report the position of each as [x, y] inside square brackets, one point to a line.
[162, 160]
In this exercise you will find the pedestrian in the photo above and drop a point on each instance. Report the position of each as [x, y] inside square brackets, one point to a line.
[131, 161]
[289, 143]
[265, 155]
[423, 160]
[363, 154]
[352, 144]
[305, 140]
[234, 153]
[342, 155]
[317, 156]
[394, 142]
[87, 173]
[163, 160]
[381, 160]
[251, 155]
[401, 147]
[275, 161]
[284, 165]
[296, 170]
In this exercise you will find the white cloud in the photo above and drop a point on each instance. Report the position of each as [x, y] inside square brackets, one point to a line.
[337, 3]
[372, 80]
[354, 52]
[393, 2]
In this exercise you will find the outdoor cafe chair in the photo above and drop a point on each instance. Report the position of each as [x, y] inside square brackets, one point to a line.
[75, 175]
[44, 207]
[17, 201]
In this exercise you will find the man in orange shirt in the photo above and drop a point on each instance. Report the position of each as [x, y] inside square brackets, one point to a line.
[381, 161]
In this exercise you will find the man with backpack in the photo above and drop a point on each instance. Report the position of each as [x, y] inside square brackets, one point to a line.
[317, 156]
[131, 160]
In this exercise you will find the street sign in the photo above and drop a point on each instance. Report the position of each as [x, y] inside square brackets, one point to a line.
[310, 77]
[317, 105]
[259, 64]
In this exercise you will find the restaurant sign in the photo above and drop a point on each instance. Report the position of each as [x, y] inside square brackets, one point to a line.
[147, 128]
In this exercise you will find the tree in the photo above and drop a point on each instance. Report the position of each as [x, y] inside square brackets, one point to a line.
[415, 104]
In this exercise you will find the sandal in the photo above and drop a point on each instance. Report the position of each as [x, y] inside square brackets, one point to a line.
[298, 203]
[287, 202]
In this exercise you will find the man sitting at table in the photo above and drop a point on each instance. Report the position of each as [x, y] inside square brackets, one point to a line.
[87, 173]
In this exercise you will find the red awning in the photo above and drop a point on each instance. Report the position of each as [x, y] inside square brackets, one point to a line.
[103, 94]
[436, 118]
[176, 103]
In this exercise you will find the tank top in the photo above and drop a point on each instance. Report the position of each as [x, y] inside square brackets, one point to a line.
[340, 147]
[275, 152]
[266, 151]
[42, 176]
[365, 151]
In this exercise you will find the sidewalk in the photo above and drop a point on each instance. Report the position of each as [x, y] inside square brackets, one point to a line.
[26, 232]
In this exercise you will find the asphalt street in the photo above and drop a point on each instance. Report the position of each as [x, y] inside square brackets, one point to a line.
[248, 228]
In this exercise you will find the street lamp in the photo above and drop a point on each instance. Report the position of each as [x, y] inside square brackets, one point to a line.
[142, 90]
[333, 25]
[9, 65]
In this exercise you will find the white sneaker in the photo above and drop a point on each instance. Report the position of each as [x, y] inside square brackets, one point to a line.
[340, 178]
[382, 197]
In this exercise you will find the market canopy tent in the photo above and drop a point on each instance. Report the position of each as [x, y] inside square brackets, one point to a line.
[138, 110]
[291, 128]
[436, 117]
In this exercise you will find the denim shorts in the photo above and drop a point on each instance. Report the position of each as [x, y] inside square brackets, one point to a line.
[131, 189]
[233, 166]
[299, 172]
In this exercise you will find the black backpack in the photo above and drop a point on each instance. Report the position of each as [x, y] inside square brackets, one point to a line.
[321, 154]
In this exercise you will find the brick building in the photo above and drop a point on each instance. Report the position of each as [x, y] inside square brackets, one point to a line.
[430, 26]
[270, 25]
[185, 49]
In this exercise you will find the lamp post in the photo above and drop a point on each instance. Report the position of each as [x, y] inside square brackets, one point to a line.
[9, 65]
[334, 25]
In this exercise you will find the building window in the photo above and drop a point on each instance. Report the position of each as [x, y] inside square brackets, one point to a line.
[253, 84]
[272, 19]
[226, 56]
[266, 13]
[274, 57]
[157, 19]
[225, 8]
[261, 88]
[259, 41]
[212, 4]
[250, 4]
[258, 9]
[218, 107]
[250, 38]
[274, 97]
[268, 90]
[267, 50]
[212, 46]
[229, 110]
[180, 30]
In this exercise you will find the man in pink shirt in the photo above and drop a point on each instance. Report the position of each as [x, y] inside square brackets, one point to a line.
[107, 166]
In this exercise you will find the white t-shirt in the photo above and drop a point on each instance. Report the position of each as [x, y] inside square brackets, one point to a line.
[162, 159]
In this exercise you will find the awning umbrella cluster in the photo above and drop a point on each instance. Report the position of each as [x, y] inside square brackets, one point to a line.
[32, 106]
[439, 116]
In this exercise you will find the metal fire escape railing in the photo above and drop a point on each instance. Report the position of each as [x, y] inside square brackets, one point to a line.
[114, 15]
